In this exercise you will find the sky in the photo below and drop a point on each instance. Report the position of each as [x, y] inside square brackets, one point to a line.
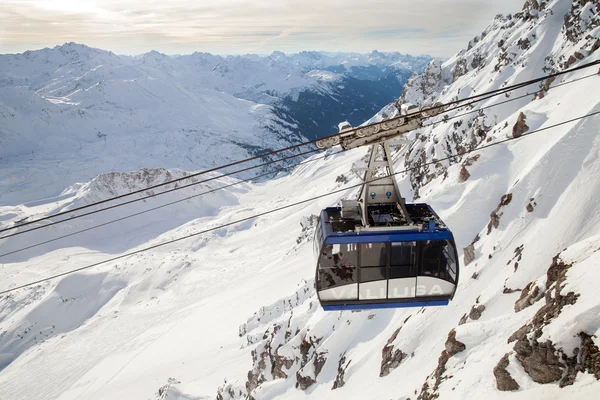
[435, 27]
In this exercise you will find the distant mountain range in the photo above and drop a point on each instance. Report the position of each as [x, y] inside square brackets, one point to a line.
[107, 112]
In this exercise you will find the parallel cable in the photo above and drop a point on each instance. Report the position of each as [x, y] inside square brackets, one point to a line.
[163, 205]
[501, 91]
[53, 223]
[249, 168]
[471, 99]
[507, 101]
[288, 206]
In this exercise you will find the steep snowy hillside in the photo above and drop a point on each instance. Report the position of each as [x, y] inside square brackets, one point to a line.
[525, 318]
[232, 313]
[69, 112]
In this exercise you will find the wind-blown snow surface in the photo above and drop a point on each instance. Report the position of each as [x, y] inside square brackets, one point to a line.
[232, 313]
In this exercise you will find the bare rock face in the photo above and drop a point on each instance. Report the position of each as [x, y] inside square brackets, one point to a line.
[453, 346]
[304, 382]
[342, 366]
[529, 295]
[279, 364]
[494, 221]
[390, 358]
[460, 69]
[255, 376]
[519, 334]
[520, 126]
[586, 358]
[496, 214]
[469, 254]
[319, 359]
[474, 315]
[464, 174]
[469, 251]
[476, 312]
[308, 224]
[539, 360]
[229, 391]
[504, 381]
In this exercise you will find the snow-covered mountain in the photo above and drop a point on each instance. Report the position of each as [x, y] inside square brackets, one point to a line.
[232, 313]
[68, 112]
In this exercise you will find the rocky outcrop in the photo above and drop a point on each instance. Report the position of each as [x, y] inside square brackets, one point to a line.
[469, 254]
[231, 391]
[504, 381]
[469, 251]
[308, 227]
[305, 381]
[421, 89]
[452, 347]
[529, 295]
[342, 366]
[585, 358]
[464, 174]
[496, 214]
[583, 16]
[531, 205]
[390, 357]
[284, 349]
[460, 69]
[476, 312]
[541, 359]
[520, 126]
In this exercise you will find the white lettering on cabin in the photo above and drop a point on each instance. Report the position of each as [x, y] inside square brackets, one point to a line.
[339, 292]
[342, 292]
[370, 296]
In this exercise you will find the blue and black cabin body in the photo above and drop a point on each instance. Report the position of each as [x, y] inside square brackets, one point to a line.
[388, 265]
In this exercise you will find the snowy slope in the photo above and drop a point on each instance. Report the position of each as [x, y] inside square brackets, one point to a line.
[232, 313]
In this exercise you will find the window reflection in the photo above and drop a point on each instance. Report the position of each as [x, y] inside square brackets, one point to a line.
[403, 260]
[337, 265]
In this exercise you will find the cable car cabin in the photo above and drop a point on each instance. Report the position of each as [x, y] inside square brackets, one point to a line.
[389, 264]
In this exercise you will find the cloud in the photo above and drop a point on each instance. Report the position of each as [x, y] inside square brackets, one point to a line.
[437, 27]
